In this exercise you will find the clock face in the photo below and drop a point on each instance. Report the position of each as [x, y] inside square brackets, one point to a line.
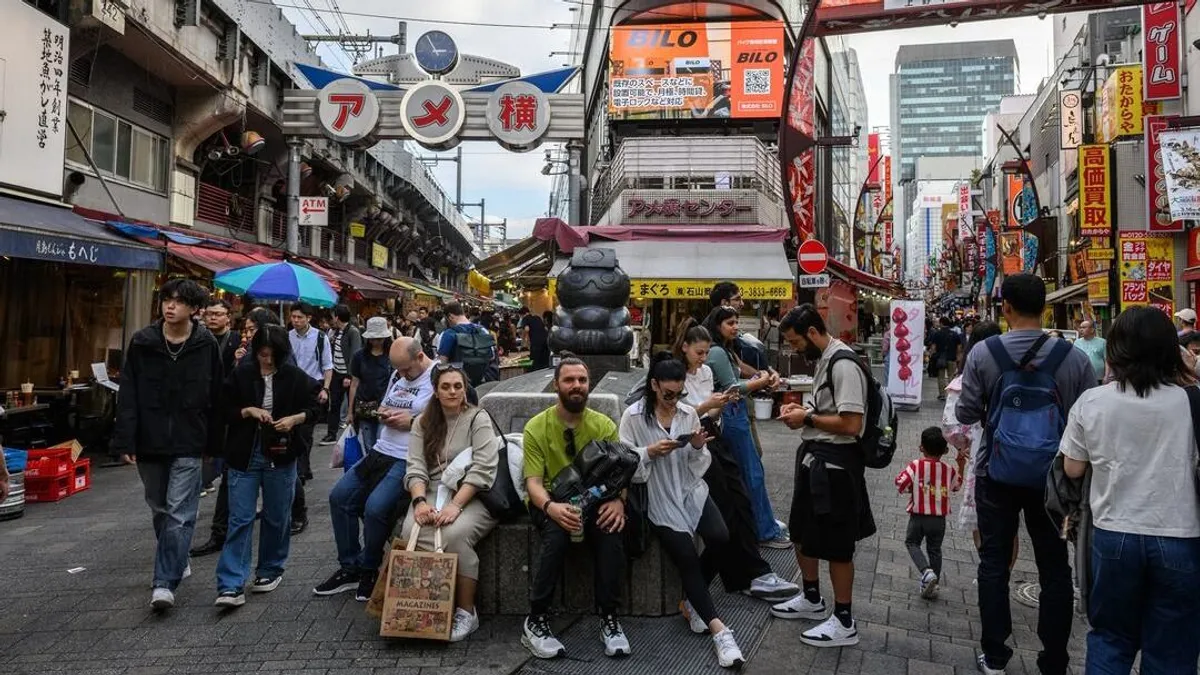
[436, 52]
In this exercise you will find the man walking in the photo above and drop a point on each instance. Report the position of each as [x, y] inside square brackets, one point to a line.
[345, 341]
[533, 334]
[217, 317]
[1185, 319]
[999, 498]
[314, 356]
[1093, 347]
[168, 417]
[831, 511]
[946, 345]
[470, 344]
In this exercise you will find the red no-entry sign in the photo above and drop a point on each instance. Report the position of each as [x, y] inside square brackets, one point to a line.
[812, 257]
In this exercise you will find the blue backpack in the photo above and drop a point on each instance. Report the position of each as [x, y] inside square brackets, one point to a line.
[1026, 418]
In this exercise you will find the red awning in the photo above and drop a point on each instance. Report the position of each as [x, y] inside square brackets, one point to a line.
[1192, 274]
[344, 279]
[864, 279]
[213, 259]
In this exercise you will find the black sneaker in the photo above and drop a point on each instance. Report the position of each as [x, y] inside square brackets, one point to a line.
[230, 599]
[340, 582]
[366, 586]
[213, 545]
[299, 526]
[265, 584]
[329, 439]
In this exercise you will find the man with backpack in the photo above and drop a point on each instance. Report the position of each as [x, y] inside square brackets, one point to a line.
[831, 511]
[310, 346]
[1021, 387]
[469, 344]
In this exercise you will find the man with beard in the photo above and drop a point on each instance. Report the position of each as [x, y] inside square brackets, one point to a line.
[830, 509]
[552, 438]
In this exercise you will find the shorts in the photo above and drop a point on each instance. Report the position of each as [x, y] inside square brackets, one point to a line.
[833, 536]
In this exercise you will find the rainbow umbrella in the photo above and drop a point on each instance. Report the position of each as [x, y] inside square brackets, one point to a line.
[283, 281]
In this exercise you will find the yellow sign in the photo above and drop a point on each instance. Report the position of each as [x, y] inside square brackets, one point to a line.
[698, 289]
[1121, 105]
[358, 230]
[1100, 254]
[379, 256]
[1098, 288]
[1147, 271]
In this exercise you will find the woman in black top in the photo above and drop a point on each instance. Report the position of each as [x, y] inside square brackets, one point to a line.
[371, 368]
[266, 403]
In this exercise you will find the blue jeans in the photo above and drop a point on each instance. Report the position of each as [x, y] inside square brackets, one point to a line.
[278, 484]
[368, 433]
[172, 488]
[348, 501]
[735, 432]
[1145, 596]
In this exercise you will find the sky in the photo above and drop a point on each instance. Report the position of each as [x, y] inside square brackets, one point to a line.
[511, 184]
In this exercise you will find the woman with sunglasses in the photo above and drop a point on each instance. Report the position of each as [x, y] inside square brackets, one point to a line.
[675, 458]
[722, 325]
[444, 430]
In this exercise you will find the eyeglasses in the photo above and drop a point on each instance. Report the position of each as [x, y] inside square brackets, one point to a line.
[669, 396]
[443, 367]
[569, 437]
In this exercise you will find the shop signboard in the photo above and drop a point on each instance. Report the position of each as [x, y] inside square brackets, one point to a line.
[314, 211]
[433, 113]
[1121, 105]
[1158, 209]
[358, 230]
[1070, 103]
[698, 289]
[1161, 51]
[518, 113]
[1013, 187]
[906, 353]
[1095, 185]
[706, 70]
[723, 207]
[379, 256]
[34, 54]
[348, 111]
[873, 160]
[1098, 289]
[1147, 270]
[53, 248]
[1180, 151]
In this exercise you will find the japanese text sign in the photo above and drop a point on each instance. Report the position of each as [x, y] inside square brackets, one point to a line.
[675, 210]
[1070, 104]
[873, 163]
[1121, 104]
[1095, 184]
[1147, 270]
[1158, 208]
[1161, 51]
[698, 289]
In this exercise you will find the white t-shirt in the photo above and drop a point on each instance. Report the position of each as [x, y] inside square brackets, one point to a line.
[1143, 456]
[405, 394]
[699, 388]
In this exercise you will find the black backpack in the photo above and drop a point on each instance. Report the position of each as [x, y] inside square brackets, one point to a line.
[475, 350]
[880, 424]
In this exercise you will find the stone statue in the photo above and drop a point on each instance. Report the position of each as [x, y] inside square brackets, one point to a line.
[592, 317]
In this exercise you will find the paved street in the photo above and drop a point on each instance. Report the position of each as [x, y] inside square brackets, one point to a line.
[97, 620]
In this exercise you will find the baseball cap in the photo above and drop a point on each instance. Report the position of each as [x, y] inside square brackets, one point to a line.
[1188, 315]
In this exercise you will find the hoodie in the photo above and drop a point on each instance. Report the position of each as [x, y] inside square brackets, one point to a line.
[169, 404]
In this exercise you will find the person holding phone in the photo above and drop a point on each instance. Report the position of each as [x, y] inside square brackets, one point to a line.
[672, 445]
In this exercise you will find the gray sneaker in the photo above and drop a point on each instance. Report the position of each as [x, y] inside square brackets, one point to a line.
[539, 639]
[162, 598]
[772, 588]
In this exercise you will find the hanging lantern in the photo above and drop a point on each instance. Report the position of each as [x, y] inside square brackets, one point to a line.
[252, 142]
[305, 171]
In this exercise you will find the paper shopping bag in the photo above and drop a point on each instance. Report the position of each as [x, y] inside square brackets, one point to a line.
[418, 601]
[375, 604]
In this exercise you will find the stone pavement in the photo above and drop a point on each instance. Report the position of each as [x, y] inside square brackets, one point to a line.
[98, 620]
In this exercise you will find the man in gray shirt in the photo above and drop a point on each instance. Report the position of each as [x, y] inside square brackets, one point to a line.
[999, 505]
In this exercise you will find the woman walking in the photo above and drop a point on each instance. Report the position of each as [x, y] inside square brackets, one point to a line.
[371, 368]
[672, 444]
[446, 428]
[722, 325]
[267, 400]
[1137, 437]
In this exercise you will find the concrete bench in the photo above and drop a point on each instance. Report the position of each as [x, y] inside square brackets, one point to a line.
[508, 556]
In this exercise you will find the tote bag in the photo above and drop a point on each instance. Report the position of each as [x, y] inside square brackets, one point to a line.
[418, 601]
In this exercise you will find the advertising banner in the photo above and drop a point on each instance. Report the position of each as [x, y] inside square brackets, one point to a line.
[696, 70]
[1180, 152]
[1098, 289]
[1158, 210]
[873, 163]
[1015, 185]
[965, 219]
[1147, 272]
[1095, 185]
[1011, 258]
[1070, 102]
[906, 356]
[796, 149]
[1161, 51]
[1121, 106]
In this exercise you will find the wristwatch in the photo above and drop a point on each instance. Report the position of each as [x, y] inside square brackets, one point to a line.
[418, 500]
[808, 422]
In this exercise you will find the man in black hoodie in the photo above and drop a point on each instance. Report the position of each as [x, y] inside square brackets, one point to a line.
[168, 417]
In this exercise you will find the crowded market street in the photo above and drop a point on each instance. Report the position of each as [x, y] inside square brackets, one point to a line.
[76, 574]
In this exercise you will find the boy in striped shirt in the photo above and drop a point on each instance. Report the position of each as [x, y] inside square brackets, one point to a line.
[928, 482]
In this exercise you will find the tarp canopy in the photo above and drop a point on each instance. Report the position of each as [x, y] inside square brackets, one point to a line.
[1075, 293]
[39, 231]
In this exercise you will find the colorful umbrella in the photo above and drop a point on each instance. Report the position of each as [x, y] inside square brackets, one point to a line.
[282, 281]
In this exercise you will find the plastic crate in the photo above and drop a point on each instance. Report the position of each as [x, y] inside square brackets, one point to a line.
[81, 476]
[47, 489]
[15, 460]
[48, 464]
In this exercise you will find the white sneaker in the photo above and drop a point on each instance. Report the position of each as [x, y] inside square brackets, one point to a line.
[800, 608]
[162, 598]
[929, 585]
[695, 623]
[728, 654]
[782, 542]
[772, 588]
[985, 668]
[539, 639]
[613, 637]
[187, 572]
[465, 623]
[831, 634]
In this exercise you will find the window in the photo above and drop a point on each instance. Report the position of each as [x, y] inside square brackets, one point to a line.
[119, 149]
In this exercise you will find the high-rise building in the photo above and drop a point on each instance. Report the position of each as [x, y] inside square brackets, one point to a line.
[939, 96]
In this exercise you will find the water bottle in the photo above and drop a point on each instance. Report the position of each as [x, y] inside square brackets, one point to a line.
[583, 503]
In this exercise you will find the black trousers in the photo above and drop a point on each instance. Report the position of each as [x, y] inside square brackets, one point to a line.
[998, 507]
[738, 561]
[932, 531]
[681, 549]
[220, 519]
[608, 554]
[304, 467]
[337, 394]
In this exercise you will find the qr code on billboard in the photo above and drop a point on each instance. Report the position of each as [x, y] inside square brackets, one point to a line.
[757, 81]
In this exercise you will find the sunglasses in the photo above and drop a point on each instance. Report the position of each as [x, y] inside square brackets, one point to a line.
[443, 367]
[669, 396]
[569, 437]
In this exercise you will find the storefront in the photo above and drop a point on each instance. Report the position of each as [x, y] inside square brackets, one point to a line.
[72, 293]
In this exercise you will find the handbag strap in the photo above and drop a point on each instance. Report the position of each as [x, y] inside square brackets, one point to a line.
[415, 532]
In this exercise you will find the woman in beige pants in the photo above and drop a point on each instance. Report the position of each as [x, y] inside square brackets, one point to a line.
[438, 436]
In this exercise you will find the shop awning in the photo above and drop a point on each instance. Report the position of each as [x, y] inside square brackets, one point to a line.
[214, 259]
[865, 280]
[517, 255]
[421, 288]
[1075, 293]
[688, 270]
[38, 231]
[1192, 274]
[366, 286]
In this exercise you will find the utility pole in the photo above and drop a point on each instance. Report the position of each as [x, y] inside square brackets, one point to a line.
[457, 160]
[293, 196]
[481, 230]
[575, 183]
[360, 45]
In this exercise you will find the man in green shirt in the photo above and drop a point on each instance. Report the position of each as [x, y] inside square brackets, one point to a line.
[1093, 346]
[552, 438]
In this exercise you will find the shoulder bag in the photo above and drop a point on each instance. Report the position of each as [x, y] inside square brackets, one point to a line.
[501, 499]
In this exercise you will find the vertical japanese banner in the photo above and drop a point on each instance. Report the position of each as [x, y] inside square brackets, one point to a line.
[798, 139]
[1147, 273]
[1070, 103]
[1161, 51]
[1158, 206]
[907, 354]
[1010, 252]
[1095, 182]
[1015, 184]
[873, 159]
[965, 219]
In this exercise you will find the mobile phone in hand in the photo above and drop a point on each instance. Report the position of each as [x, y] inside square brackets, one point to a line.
[684, 439]
[733, 390]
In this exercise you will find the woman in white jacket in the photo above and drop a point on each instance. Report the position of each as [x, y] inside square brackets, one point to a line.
[668, 437]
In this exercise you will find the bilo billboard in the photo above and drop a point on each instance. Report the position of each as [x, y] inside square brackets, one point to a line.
[696, 71]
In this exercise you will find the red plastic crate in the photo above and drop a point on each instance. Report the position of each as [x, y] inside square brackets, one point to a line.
[81, 478]
[47, 489]
[53, 466]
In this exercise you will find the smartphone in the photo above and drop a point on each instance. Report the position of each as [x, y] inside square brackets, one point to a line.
[733, 391]
[684, 439]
